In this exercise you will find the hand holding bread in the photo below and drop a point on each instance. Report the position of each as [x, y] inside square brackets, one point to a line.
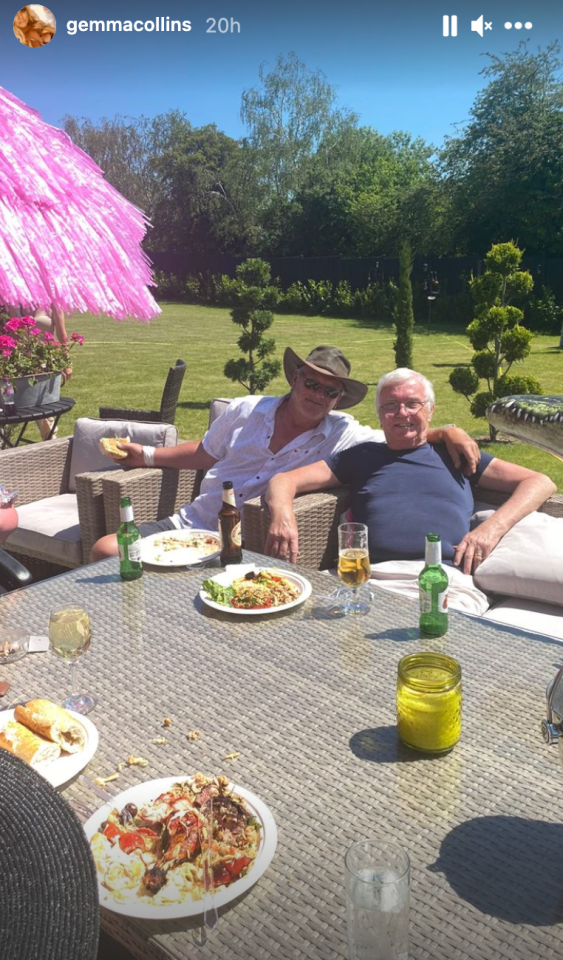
[110, 446]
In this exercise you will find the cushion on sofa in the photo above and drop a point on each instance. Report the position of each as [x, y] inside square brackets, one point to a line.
[528, 561]
[529, 615]
[88, 431]
[51, 527]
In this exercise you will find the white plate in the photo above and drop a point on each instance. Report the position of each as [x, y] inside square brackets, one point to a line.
[144, 793]
[235, 572]
[183, 556]
[67, 765]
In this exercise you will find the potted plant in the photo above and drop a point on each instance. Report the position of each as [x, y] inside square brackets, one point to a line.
[32, 363]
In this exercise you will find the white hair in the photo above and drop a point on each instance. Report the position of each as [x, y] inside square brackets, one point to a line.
[401, 375]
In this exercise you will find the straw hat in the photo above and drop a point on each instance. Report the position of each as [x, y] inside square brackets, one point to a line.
[48, 886]
[332, 362]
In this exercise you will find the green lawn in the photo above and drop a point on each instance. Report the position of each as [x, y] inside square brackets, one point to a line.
[126, 363]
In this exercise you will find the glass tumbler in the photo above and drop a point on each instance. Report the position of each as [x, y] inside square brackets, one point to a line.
[377, 899]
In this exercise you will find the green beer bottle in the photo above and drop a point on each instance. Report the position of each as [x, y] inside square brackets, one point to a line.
[433, 590]
[128, 543]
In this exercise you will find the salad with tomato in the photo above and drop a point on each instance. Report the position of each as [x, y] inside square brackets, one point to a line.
[257, 590]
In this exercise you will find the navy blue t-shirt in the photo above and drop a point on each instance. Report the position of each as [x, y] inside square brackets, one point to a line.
[401, 495]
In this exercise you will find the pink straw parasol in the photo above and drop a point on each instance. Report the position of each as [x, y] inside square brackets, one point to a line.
[66, 235]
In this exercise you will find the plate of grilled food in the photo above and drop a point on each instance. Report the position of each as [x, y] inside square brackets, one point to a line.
[175, 847]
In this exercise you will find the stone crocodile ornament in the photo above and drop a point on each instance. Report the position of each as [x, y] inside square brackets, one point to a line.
[532, 419]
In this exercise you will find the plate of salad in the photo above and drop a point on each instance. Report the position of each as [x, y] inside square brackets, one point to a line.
[255, 590]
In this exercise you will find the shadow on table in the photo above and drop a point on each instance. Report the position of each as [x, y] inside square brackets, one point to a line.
[397, 634]
[100, 578]
[506, 867]
[382, 745]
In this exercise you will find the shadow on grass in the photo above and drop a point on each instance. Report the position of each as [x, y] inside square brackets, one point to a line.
[195, 405]
[452, 364]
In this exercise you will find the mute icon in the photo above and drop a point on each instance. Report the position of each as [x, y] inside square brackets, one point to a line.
[477, 26]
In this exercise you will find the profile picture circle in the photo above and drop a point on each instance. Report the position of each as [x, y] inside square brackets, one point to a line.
[34, 25]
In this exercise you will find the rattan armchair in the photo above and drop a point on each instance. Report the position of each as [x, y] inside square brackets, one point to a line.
[40, 471]
[61, 492]
[318, 516]
[168, 404]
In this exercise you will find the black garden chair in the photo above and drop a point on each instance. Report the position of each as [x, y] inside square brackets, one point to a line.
[167, 412]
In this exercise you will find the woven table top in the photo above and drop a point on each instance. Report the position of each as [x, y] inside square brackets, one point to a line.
[309, 705]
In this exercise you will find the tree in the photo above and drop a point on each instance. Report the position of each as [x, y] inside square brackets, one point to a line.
[289, 118]
[195, 210]
[188, 180]
[403, 312]
[503, 174]
[254, 299]
[496, 334]
[125, 149]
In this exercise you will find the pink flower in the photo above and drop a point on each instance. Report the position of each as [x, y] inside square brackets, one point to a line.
[6, 353]
[77, 338]
[35, 332]
[7, 343]
[47, 336]
[27, 322]
[13, 325]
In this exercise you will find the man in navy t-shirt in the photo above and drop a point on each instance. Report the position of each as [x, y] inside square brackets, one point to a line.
[404, 488]
[401, 495]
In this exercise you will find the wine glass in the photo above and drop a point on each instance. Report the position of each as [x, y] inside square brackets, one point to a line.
[69, 636]
[353, 564]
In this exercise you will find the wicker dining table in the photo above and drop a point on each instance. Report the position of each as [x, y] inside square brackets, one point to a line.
[307, 704]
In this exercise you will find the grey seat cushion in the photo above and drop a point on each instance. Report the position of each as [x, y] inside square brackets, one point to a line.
[528, 562]
[88, 431]
[50, 527]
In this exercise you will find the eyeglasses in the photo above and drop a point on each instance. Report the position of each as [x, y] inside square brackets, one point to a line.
[392, 407]
[329, 392]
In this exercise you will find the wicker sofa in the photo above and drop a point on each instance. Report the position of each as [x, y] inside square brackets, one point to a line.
[318, 516]
[527, 602]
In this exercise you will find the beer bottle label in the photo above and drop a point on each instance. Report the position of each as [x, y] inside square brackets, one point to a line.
[135, 550]
[426, 602]
[236, 535]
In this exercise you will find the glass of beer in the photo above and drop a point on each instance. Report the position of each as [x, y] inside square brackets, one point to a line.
[353, 564]
[70, 633]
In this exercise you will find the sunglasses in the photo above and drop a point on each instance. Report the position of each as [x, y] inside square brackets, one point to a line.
[329, 392]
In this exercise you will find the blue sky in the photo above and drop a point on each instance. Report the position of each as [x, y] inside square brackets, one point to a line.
[389, 62]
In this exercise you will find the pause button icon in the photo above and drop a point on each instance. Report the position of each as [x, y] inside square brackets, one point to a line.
[446, 26]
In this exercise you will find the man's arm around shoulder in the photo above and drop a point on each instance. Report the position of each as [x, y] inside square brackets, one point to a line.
[283, 487]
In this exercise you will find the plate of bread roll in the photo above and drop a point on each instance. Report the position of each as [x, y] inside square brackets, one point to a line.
[58, 743]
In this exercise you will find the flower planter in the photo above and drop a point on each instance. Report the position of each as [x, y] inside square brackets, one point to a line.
[44, 388]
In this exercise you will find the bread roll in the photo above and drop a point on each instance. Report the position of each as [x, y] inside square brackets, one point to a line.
[51, 721]
[108, 445]
[26, 745]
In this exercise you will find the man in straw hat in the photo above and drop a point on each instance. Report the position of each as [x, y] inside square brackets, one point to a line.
[258, 437]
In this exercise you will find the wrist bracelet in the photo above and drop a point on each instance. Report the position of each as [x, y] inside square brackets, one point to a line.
[148, 456]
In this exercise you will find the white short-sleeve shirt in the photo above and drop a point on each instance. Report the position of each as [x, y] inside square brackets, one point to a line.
[239, 440]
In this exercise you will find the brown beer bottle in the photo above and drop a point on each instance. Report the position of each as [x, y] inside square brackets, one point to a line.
[229, 527]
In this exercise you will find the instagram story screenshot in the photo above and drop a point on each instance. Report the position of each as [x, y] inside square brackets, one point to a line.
[257, 701]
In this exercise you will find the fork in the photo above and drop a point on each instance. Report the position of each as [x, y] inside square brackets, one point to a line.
[210, 916]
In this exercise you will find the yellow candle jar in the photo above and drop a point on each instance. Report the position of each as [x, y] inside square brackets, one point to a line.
[429, 702]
